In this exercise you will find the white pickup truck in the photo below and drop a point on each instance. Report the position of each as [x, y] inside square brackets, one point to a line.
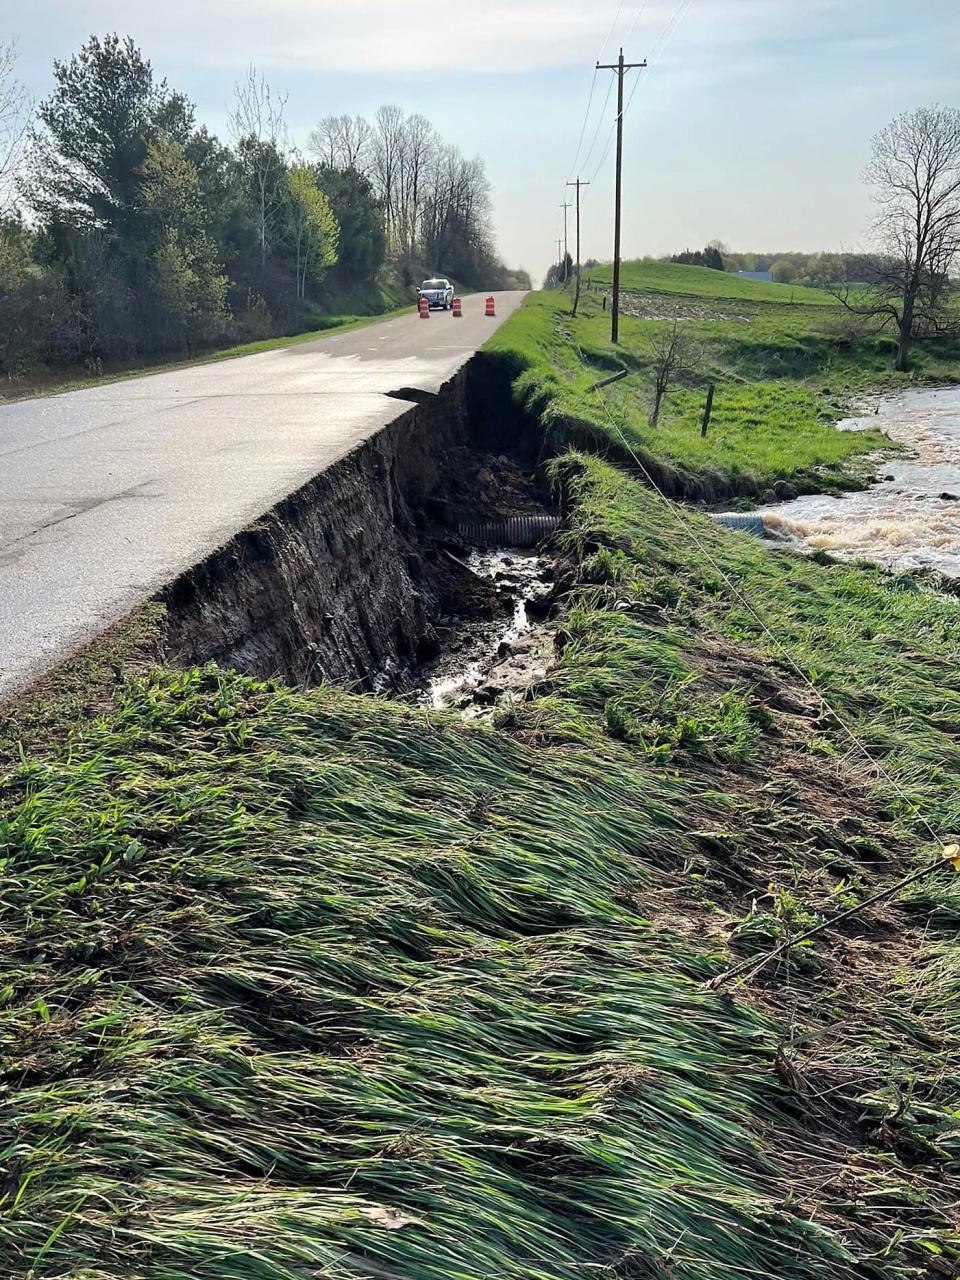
[438, 293]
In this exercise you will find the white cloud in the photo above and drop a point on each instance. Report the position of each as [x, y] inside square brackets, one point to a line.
[422, 36]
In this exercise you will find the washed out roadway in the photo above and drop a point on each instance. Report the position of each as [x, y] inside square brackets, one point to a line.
[109, 493]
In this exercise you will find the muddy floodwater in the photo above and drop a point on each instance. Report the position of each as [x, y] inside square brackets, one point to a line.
[911, 518]
[499, 659]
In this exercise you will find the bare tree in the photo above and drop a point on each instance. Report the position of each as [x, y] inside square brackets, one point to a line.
[417, 142]
[915, 172]
[387, 146]
[674, 354]
[342, 142]
[260, 136]
[15, 110]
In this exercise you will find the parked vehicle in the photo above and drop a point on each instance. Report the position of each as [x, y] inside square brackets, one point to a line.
[438, 293]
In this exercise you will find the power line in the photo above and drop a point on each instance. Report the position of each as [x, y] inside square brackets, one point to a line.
[672, 25]
[616, 19]
[586, 117]
[600, 120]
[576, 297]
[593, 82]
[636, 18]
[565, 206]
[659, 45]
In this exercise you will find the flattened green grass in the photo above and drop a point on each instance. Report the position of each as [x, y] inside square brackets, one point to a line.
[303, 983]
[368, 993]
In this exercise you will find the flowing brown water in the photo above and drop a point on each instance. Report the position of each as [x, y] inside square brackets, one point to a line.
[497, 659]
[911, 518]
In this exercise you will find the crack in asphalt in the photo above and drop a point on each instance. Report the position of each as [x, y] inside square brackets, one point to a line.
[80, 508]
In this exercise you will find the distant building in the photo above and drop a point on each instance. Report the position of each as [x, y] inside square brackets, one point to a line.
[756, 275]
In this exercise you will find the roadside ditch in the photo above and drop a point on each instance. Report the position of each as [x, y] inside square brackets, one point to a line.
[419, 565]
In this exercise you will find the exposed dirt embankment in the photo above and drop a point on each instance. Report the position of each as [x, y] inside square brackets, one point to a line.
[343, 580]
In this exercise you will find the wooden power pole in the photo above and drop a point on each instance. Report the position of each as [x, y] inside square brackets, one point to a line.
[576, 297]
[621, 68]
[566, 252]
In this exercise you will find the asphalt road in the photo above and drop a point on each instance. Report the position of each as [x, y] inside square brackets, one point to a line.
[107, 494]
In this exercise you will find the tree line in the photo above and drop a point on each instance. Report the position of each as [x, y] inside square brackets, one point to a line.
[710, 256]
[127, 228]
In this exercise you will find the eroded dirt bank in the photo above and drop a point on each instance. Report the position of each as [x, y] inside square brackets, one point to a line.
[363, 576]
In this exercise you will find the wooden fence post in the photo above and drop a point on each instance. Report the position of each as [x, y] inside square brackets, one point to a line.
[708, 409]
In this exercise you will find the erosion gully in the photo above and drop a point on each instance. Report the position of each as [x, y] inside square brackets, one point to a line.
[417, 566]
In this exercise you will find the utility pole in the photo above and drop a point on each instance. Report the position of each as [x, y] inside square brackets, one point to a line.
[559, 258]
[566, 252]
[621, 68]
[576, 297]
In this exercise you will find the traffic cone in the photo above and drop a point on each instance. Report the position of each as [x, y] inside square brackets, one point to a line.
[491, 308]
[457, 307]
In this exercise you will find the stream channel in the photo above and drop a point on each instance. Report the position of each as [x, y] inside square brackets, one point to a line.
[495, 659]
[910, 519]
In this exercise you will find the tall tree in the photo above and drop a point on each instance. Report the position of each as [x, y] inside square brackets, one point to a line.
[313, 228]
[342, 142]
[184, 263]
[387, 145]
[417, 142]
[97, 127]
[914, 170]
[14, 125]
[260, 136]
[363, 241]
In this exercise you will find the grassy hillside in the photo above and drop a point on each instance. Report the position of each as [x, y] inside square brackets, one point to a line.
[784, 374]
[702, 282]
[561, 359]
[297, 983]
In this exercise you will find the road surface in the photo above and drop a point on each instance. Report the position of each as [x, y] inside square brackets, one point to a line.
[108, 494]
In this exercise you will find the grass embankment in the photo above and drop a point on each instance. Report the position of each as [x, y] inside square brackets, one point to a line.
[301, 983]
[785, 372]
[702, 282]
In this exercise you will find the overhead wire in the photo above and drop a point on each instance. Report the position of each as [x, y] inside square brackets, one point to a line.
[658, 47]
[636, 19]
[616, 19]
[600, 120]
[586, 117]
[593, 85]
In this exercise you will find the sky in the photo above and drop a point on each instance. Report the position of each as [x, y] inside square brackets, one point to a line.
[751, 123]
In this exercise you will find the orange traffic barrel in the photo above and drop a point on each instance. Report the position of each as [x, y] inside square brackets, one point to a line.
[457, 307]
[424, 306]
[491, 310]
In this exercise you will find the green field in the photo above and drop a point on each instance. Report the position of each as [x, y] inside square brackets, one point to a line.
[784, 374]
[299, 983]
[702, 282]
